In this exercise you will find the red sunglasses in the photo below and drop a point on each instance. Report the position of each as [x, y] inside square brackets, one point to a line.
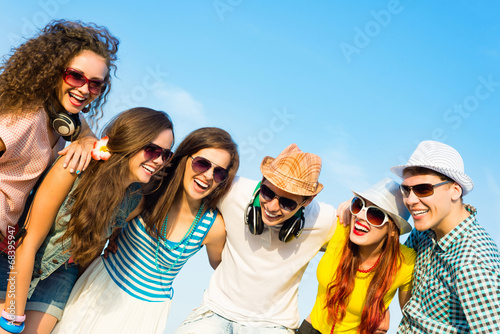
[76, 79]
[153, 151]
[201, 165]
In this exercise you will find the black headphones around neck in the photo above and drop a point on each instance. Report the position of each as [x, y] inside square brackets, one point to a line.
[291, 229]
[66, 124]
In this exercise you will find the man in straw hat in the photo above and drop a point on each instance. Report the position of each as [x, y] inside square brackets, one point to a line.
[456, 287]
[274, 228]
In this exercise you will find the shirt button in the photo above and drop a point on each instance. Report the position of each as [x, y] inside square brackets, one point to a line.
[40, 271]
[55, 261]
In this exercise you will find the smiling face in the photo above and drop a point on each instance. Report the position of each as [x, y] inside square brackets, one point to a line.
[140, 168]
[199, 185]
[432, 212]
[364, 234]
[93, 66]
[272, 213]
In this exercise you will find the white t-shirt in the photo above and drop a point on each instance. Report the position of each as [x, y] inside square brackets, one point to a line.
[257, 282]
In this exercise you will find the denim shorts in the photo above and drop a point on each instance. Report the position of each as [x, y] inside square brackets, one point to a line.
[51, 294]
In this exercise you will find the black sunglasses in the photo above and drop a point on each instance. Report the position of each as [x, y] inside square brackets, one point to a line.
[285, 203]
[201, 165]
[77, 79]
[420, 190]
[153, 151]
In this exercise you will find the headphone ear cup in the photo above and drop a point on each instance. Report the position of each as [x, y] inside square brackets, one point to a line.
[253, 219]
[292, 227]
[68, 126]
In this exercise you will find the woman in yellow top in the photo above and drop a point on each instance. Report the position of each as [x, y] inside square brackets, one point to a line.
[364, 265]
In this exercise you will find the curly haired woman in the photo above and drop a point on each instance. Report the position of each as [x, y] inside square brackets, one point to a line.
[44, 85]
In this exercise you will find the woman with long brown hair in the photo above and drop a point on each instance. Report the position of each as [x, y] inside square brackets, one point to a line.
[72, 216]
[364, 265]
[130, 291]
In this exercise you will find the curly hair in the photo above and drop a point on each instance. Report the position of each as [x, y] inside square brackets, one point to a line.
[158, 203]
[103, 182]
[30, 76]
[339, 290]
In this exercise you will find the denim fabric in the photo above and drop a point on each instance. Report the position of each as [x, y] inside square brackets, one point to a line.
[51, 254]
[50, 295]
[204, 321]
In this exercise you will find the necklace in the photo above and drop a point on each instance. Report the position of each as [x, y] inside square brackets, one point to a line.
[333, 326]
[182, 243]
[371, 268]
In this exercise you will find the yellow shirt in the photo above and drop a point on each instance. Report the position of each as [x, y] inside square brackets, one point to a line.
[326, 269]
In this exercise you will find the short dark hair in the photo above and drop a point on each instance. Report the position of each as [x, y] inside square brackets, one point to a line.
[417, 170]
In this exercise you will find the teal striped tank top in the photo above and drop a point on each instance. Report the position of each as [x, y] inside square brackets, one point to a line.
[133, 266]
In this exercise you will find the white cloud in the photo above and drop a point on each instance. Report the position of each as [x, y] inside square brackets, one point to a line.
[181, 105]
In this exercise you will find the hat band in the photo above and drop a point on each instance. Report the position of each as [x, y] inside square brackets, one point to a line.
[307, 185]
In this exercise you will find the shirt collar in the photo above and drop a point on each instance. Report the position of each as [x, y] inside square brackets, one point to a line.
[449, 239]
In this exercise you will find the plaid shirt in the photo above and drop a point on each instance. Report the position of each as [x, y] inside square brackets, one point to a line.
[456, 282]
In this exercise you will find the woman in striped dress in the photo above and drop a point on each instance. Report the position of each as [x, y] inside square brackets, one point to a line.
[130, 291]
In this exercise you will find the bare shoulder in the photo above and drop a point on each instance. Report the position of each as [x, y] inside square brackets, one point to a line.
[217, 230]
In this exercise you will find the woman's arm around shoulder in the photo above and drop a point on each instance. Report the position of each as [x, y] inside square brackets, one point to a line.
[77, 154]
[48, 199]
[215, 240]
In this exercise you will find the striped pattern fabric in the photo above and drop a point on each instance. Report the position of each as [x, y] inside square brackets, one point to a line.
[456, 285]
[133, 267]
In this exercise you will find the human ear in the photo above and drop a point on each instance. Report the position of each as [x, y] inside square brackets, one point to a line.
[456, 192]
[309, 200]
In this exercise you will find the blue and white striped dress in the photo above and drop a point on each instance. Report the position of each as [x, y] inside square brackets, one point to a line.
[133, 266]
[125, 293]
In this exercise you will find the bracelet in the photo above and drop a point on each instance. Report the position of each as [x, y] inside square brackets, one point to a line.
[13, 317]
[11, 327]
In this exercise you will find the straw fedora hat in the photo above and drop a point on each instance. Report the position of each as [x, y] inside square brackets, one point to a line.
[441, 158]
[293, 171]
[386, 195]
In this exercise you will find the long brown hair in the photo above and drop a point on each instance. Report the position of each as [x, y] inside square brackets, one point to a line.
[30, 76]
[340, 289]
[101, 188]
[157, 204]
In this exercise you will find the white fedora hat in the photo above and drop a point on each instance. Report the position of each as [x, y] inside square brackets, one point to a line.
[386, 195]
[441, 158]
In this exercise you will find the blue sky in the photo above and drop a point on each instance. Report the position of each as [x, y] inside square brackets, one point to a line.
[358, 84]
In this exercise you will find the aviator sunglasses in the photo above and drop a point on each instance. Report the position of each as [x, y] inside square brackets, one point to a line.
[76, 79]
[285, 203]
[201, 165]
[420, 190]
[374, 216]
[153, 151]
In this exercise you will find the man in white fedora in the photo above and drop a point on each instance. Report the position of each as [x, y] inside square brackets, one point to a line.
[456, 285]
[274, 228]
